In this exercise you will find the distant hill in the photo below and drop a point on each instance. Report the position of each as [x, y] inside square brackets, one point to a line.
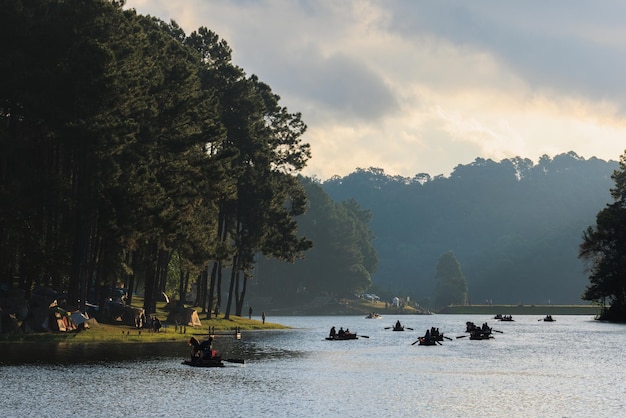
[514, 225]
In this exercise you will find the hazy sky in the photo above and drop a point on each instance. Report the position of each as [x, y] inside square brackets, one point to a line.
[420, 86]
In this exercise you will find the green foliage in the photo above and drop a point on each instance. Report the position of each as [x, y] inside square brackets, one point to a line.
[604, 247]
[513, 225]
[451, 288]
[341, 261]
[124, 142]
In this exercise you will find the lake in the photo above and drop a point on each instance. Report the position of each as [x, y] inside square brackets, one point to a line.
[573, 367]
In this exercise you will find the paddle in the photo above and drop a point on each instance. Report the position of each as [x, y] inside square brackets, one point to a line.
[461, 336]
[234, 360]
[448, 338]
[495, 330]
[410, 328]
[364, 336]
[416, 342]
[438, 342]
[388, 327]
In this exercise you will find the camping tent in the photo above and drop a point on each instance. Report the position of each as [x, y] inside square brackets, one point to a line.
[185, 316]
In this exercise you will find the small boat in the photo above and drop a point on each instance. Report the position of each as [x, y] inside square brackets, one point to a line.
[373, 315]
[480, 335]
[198, 362]
[548, 318]
[350, 336]
[506, 318]
[398, 329]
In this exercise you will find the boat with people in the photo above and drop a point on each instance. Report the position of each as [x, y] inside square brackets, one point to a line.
[478, 333]
[373, 315]
[337, 337]
[436, 335]
[548, 318]
[203, 354]
[432, 337]
[424, 341]
[506, 318]
[334, 335]
[398, 326]
[199, 362]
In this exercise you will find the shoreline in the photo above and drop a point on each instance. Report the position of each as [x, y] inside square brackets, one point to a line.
[102, 333]
[522, 310]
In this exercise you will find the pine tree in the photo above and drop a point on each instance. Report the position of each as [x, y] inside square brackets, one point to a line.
[604, 249]
[450, 288]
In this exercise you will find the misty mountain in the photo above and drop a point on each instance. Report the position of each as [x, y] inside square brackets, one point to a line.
[514, 226]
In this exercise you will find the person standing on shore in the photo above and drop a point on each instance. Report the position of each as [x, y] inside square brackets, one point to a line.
[263, 316]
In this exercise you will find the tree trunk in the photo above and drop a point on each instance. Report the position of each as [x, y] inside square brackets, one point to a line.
[238, 307]
[152, 270]
[218, 291]
[201, 285]
[212, 289]
[233, 277]
[130, 279]
[242, 295]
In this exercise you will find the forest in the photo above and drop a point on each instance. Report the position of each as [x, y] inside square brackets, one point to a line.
[514, 226]
[133, 155]
[135, 158]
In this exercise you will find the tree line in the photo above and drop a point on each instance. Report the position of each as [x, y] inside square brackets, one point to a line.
[514, 226]
[130, 150]
[340, 263]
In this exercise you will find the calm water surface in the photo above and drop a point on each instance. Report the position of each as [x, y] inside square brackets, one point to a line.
[574, 367]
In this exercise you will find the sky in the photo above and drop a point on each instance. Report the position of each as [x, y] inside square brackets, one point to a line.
[421, 86]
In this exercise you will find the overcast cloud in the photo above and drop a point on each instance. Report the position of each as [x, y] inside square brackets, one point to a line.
[422, 86]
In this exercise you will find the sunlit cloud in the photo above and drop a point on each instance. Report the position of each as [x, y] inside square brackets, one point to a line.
[414, 87]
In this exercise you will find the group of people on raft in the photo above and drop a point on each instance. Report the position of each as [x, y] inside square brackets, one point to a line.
[431, 337]
[339, 334]
[478, 333]
[202, 351]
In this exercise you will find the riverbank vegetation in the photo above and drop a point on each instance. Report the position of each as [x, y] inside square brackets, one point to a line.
[139, 159]
[540, 310]
[135, 156]
[114, 333]
[603, 248]
[514, 226]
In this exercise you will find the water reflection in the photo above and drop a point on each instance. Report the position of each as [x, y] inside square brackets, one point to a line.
[92, 353]
[566, 368]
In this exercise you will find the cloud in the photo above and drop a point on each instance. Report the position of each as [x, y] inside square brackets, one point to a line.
[342, 86]
[574, 46]
[416, 87]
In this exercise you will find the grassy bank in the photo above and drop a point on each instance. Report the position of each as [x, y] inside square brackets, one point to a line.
[522, 309]
[110, 333]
